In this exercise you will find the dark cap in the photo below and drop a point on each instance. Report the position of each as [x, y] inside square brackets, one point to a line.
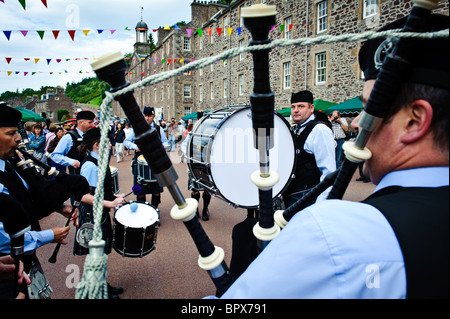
[429, 57]
[9, 117]
[85, 115]
[302, 96]
[91, 135]
[148, 111]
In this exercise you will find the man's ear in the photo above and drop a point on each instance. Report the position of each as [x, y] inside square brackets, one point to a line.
[417, 121]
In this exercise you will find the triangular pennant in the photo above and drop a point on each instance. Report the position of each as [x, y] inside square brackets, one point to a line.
[24, 32]
[99, 31]
[209, 31]
[177, 27]
[155, 30]
[189, 31]
[55, 33]
[219, 31]
[22, 2]
[200, 32]
[168, 61]
[72, 34]
[230, 30]
[45, 3]
[175, 60]
[26, 59]
[33, 73]
[239, 30]
[167, 27]
[282, 28]
[273, 28]
[163, 60]
[58, 60]
[36, 60]
[25, 73]
[17, 72]
[290, 27]
[9, 73]
[48, 61]
[112, 31]
[8, 60]
[7, 34]
[86, 32]
[41, 34]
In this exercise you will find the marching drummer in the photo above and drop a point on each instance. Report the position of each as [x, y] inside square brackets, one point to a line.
[89, 169]
[147, 187]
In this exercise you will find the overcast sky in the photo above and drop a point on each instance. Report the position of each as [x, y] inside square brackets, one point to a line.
[76, 15]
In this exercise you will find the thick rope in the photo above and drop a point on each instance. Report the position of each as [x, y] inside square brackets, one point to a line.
[93, 284]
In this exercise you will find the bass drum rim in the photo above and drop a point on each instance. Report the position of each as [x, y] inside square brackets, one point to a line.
[237, 109]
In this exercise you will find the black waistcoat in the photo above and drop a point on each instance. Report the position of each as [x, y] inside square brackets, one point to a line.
[307, 174]
[108, 184]
[419, 218]
[73, 152]
[19, 192]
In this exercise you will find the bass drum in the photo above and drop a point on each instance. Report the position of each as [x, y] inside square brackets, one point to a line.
[221, 155]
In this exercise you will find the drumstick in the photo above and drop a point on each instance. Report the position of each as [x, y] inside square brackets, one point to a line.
[136, 190]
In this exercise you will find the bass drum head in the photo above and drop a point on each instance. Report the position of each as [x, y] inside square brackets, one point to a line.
[234, 158]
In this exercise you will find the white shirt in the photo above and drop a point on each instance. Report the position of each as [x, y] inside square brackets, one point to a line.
[335, 249]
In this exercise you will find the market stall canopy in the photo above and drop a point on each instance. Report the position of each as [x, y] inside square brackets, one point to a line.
[192, 116]
[319, 105]
[29, 116]
[350, 107]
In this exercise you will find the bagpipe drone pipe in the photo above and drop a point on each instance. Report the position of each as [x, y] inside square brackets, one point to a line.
[111, 69]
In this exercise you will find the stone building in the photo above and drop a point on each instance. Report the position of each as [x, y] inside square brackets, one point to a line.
[52, 101]
[330, 71]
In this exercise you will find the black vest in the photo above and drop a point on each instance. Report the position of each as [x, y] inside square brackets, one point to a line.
[108, 184]
[419, 218]
[73, 152]
[307, 174]
[19, 192]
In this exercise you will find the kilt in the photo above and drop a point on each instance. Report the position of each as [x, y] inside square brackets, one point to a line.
[86, 215]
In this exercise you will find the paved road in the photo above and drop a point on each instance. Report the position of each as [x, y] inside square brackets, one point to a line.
[171, 270]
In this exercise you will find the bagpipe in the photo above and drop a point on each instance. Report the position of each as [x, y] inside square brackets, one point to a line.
[259, 19]
[16, 224]
[49, 188]
[111, 69]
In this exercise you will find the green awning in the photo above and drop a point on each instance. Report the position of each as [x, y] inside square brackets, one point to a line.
[192, 116]
[29, 116]
[319, 105]
[352, 106]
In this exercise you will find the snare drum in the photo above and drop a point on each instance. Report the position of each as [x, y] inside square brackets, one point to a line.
[135, 226]
[115, 179]
[221, 155]
[144, 172]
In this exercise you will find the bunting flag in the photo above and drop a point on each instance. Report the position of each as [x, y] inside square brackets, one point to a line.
[22, 2]
[58, 60]
[7, 34]
[41, 33]
[25, 73]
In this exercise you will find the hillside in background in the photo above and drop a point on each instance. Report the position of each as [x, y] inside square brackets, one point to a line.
[88, 91]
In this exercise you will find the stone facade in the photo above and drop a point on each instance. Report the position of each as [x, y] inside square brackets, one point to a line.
[230, 82]
[53, 101]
